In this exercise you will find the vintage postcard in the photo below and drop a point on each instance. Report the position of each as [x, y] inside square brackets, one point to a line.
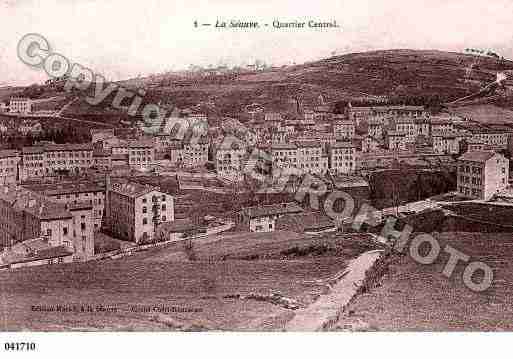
[255, 166]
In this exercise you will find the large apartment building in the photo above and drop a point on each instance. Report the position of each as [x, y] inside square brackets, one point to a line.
[74, 193]
[195, 152]
[482, 174]
[26, 215]
[51, 159]
[141, 154]
[311, 157]
[342, 158]
[344, 129]
[263, 218]
[284, 155]
[133, 211]
[448, 142]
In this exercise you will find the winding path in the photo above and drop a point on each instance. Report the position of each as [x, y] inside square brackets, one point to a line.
[327, 308]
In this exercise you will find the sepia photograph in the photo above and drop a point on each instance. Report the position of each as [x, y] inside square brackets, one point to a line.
[337, 167]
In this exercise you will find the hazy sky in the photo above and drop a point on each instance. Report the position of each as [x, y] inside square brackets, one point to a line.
[123, 38]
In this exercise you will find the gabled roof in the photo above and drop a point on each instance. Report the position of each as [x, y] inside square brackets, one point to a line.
[343, 144]
[131, 189]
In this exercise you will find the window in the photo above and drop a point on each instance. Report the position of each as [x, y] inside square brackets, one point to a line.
[163, 207]
[164, 197]
[144, 210]
[83, 226]
[164, 218]
[145, 221]
[144, 200]
[65, 231]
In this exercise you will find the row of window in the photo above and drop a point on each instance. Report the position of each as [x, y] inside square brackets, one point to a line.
[145, 220]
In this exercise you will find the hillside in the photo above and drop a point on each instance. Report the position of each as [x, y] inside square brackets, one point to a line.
[400, 75]
[415, 297]
[403, 76]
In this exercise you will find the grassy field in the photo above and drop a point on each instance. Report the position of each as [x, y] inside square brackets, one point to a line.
[206, 294]
[418, 297]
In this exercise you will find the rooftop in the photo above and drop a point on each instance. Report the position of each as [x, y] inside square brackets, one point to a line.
[477, 156]
[33, 203]
[140, 144]
[131, 189]
[67, 188]
[343, 144]
[303, 144]
[53, 147]
[283, 146]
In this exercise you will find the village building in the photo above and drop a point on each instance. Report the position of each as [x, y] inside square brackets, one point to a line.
[442, 124]
[133, 211]
[141, 154]
[375, 128]
[51, 159]
[229, 158]
[102, 159]
[344, 128]
[396, 141]
[74, 193]
[482, 174]
[25, 215]
[9, 160]
[311, 157]
[263, 218]
[370, 144]
[448, 142]
[342, 158]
